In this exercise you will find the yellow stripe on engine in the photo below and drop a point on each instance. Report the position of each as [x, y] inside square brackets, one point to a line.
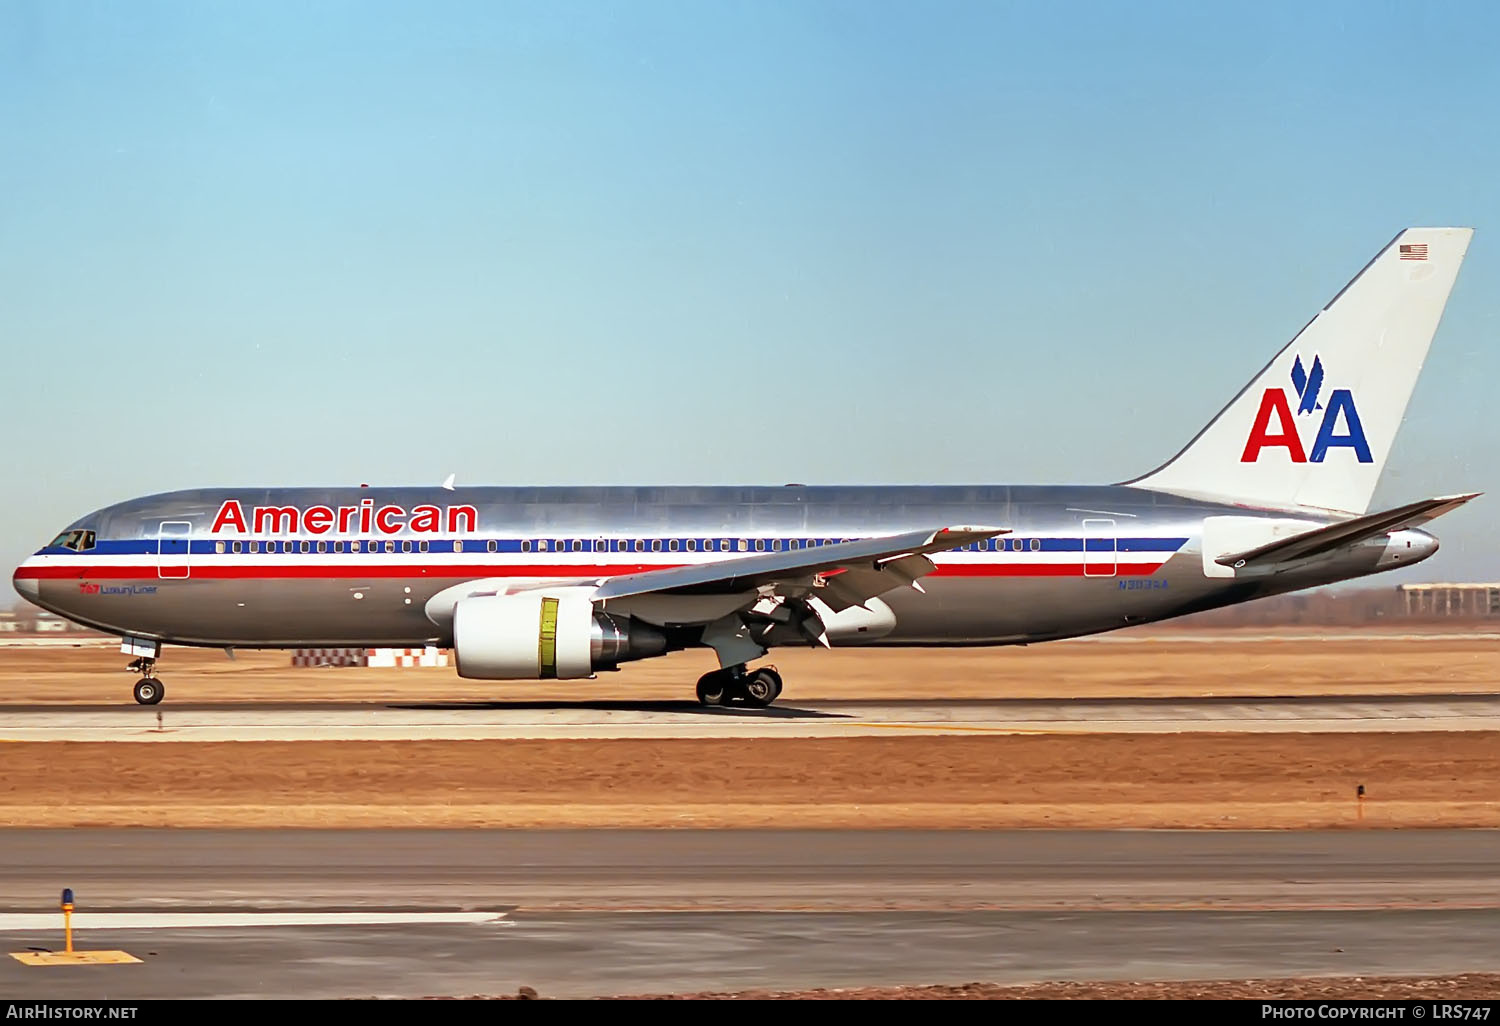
[547, 640]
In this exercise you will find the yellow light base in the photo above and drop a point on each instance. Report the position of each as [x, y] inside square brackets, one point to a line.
[73, 957]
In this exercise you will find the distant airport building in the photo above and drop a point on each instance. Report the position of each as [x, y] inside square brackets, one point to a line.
[428, 656]
[1450, 599]
[50, 623]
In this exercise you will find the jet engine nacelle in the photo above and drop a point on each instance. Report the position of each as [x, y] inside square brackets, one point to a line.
[539, 635]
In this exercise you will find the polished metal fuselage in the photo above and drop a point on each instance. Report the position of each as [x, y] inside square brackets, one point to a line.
[1077, 560]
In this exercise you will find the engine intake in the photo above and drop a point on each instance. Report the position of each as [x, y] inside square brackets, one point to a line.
[544, 635]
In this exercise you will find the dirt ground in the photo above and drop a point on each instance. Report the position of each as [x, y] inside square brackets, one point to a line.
[1466, 987]
[1183, 780]
[1241, 781]
[1186, 664]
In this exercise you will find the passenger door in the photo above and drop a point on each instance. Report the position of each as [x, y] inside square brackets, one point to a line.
[172, 549]
[1099, 548]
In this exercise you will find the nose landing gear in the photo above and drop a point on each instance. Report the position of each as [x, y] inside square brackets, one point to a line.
[148, 689]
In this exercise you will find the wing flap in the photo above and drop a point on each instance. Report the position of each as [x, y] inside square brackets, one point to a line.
[1334, 536]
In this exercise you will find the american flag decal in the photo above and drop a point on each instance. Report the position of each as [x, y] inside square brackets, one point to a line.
[1414, 251]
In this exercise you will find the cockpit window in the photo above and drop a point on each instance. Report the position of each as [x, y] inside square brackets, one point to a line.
[78, 541]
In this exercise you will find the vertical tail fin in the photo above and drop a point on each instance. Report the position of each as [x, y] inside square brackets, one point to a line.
[1315, 426]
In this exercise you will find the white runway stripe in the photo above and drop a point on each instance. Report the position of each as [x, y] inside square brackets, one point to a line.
[17, 921]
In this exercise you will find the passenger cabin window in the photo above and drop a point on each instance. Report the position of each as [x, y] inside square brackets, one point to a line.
[421, 546]
[219, 548]
[672, 545]
[406, 546]
[390, 546]
[744, 545]
[525, 546]
[255, 546]
[640, 546]
[655, 544]
[692, 544]
[490, 545]
[577, 545]
[458, 545]
[541, 545]
[1036, 545]
[306, 547]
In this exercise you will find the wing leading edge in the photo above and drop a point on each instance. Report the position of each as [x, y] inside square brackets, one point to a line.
[843, 574]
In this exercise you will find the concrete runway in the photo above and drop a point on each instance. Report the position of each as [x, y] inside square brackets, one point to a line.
[607, 912]
[686, 719]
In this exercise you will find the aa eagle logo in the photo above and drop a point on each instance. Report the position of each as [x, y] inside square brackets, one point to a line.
[1339, 428]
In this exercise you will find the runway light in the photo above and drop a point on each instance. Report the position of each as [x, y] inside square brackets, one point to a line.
[67, 911]
[68, 956]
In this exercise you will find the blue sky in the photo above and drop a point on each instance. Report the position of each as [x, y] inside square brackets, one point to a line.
[637, 242]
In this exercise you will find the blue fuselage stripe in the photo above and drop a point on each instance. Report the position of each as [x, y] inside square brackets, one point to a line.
[562, 546]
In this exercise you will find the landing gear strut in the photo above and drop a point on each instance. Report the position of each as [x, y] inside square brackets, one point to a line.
[148, 689]
[755, 688]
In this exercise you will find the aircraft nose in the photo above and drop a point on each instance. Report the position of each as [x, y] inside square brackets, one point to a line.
[29, 588]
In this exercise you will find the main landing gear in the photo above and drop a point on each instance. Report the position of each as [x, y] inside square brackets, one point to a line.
[755, 688]
[148, 689]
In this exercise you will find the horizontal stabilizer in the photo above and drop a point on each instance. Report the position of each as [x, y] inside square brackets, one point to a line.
[1335, 536]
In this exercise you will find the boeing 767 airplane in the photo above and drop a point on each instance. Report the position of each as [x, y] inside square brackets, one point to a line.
[537, 583]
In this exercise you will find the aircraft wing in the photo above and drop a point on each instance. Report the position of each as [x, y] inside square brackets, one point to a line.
[843, 574]
[1334, 536]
